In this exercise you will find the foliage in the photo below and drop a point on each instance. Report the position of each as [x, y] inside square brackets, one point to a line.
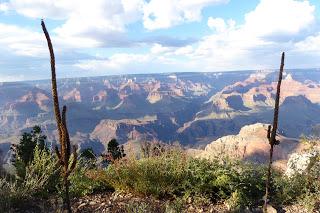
[154, 148]
[28, 142]
[85, 181]
[41, 172]
[158, 176]
[218, 181]
[115, 150]
[39, 180]
[88, 154]
[174, 174]
[304, 188]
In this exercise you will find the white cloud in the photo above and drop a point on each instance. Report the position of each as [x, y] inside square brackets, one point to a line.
[41, 8]
[217, 23]
[21, 41]
[309, 45]
[256, 43]
[251, 45]
[100, 19]
[159, 14]
[159, 49]
[273, 26]
[103, 23]
[86, 23]
[134, 63]
[12, 78]
[118, 61]
[122, 63]
[27, 42]
[220, 25]
[4, 7]
[186, 50]
[274, 17]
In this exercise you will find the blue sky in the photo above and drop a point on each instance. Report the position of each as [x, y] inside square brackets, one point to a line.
[107, 37]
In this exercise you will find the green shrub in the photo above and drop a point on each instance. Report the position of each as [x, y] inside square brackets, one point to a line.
[175, 175]
[42, 172]
[88, 154]
[158, 176]
[217, 181]
[8, 191]
[36, 182]
[83, 182]
[301, 188]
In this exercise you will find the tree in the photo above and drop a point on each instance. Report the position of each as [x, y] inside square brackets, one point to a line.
[88, 153]
[28, 142]
[64, 139]
[115, 151]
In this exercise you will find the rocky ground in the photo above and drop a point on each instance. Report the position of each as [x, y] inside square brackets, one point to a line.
[127, 203]
[121, 203]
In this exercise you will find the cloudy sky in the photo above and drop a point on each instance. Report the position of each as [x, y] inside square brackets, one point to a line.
[104, 37]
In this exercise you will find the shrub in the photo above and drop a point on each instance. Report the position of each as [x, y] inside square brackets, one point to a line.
[37, 181]
[300, 188]
[157, 176]
[8, 190]
[41, 173]
[88, 154]
[303, 186]
[175, 175]
[85, 180]
[217, 181]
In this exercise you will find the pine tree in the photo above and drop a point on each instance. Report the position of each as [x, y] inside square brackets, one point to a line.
[28, 142]
[115, 150]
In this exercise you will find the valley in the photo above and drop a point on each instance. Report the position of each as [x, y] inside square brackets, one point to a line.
[193, 109]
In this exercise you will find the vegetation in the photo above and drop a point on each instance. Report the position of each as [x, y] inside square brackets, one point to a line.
[28, 142]
[115, 151]
[38, 180]
[171, 175]
[272, 132]
[65, 153]
[88, 154]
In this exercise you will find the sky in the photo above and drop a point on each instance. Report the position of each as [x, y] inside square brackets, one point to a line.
[110, 37]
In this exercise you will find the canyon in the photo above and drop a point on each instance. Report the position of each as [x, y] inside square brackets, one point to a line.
[193, 109]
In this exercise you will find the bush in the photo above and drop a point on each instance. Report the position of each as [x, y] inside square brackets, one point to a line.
[175, 175]
[217, 181]
[37, 181]
[170, 174]
[158, 176]
[300, 188]
[85, 180]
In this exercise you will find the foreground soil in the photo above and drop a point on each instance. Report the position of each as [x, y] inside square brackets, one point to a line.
[127, 203]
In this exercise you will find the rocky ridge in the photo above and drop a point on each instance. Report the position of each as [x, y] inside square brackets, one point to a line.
[251, 144]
